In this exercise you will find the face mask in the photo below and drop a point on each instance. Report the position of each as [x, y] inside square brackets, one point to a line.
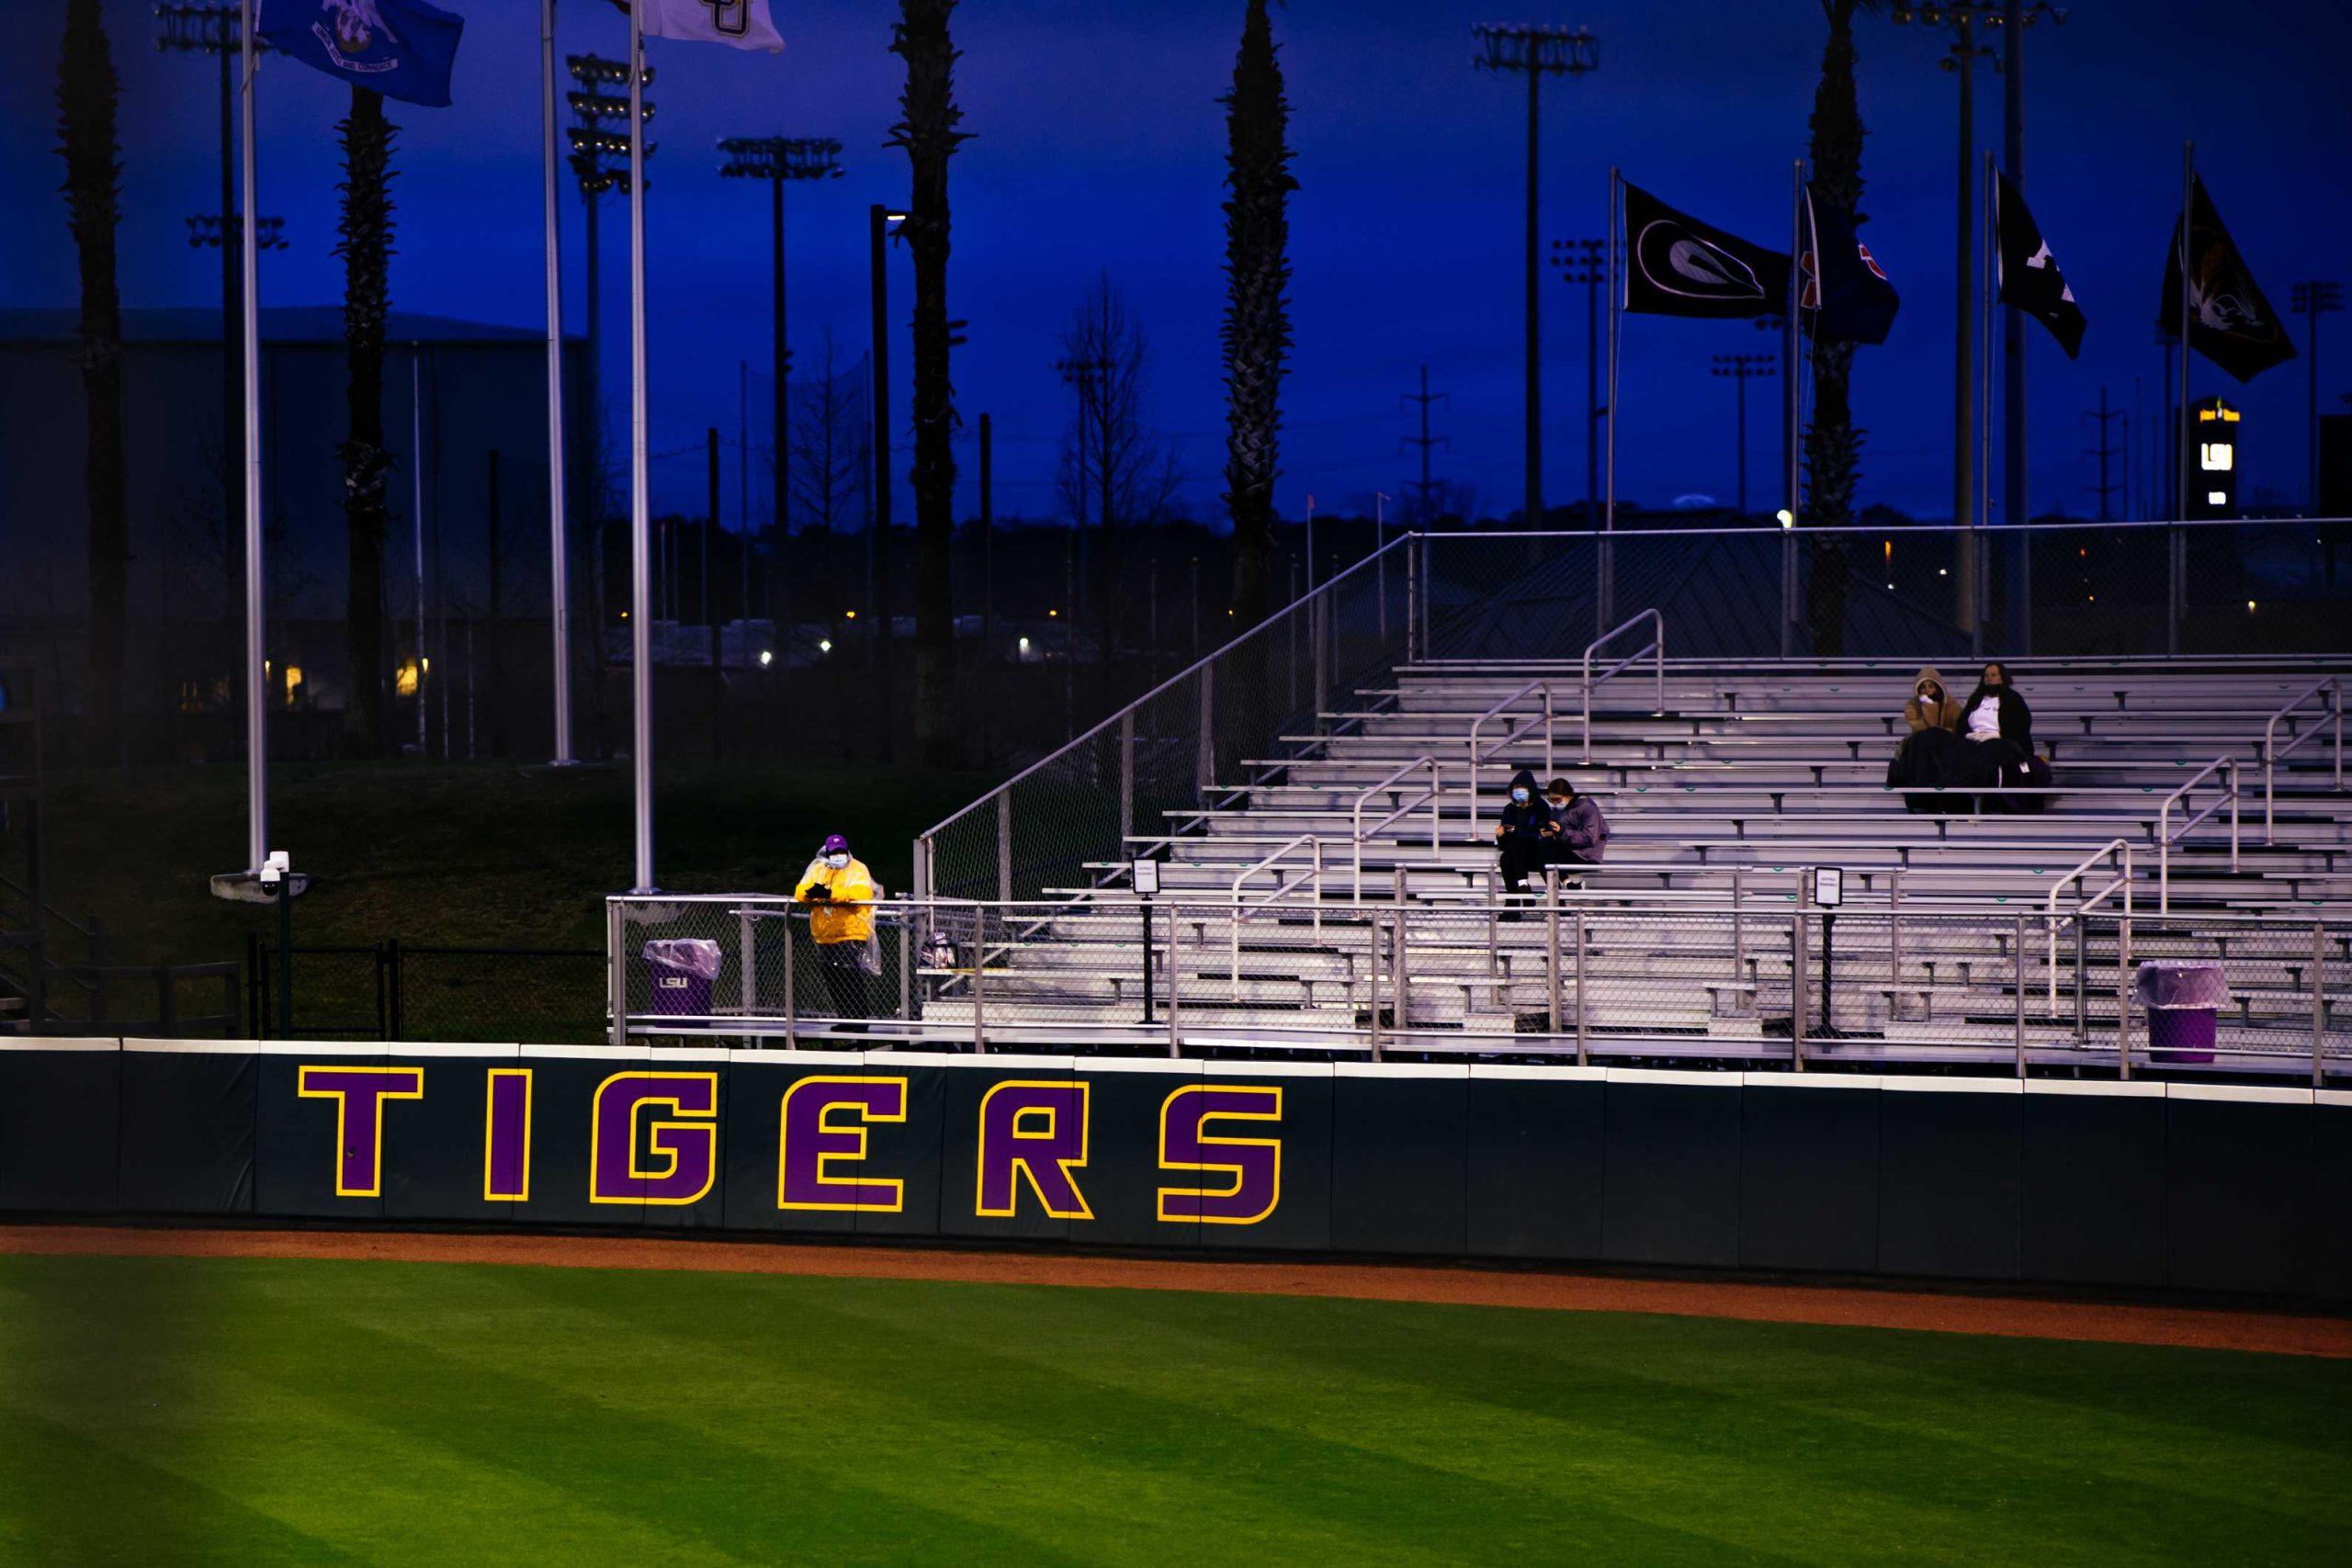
[1519, 796]
[837, 862]
[1558, 803]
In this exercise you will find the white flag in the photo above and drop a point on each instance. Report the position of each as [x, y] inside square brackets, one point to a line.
[740, 24]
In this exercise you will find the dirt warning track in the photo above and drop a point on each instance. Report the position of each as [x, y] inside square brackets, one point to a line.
[2017, 1316]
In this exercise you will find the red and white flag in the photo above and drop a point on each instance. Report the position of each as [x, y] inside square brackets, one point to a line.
[740, 23]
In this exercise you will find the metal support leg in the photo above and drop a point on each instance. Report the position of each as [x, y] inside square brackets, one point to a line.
[2319, 1005]
[1175, 973]
[791, 1010]
[617, 980]
[2018, 963]
[2123, 999]
[979, 981]
[747, 970]
[1372, 979]
[1583, 1009]
[1551, 977]
[1796, 990]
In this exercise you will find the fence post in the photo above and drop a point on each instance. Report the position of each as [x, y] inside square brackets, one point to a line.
[1583, 1012]
[617, 972]
[2319, 1005]
[747, 972]
[395, 990]
[1788, 590]
[906, 970]
[1552, 950]
[791, 1041]
[1205, 767]
[1412, 600]
[1003, 850]
[2123, 998]
[2018, 962]
[1494, 941]
[979, 968]
[1796, 990]
[1400, 1005]
[1174, 973]
[1126, 786]
[1318, 628]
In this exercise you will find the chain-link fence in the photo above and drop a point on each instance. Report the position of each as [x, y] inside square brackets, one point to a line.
[1762, 985]
[392, 990]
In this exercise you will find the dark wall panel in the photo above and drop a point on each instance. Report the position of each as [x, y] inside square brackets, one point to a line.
[187, 1132]
[912, 1152]
[1122, 1179]
[756, 1094]
[296, 1162]
[436, 1166]
[1399, 1147]
[959, 1210]
[1534, 1167]
[1808, 1178]
[1302, 1220]
[60, 1116]
[1949, 1163]
[2094, 1202]
[2238, 1176]
[1672, 1173]
[2331, 1219]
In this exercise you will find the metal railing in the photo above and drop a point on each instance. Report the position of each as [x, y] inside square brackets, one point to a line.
[1313, 881]
[2271, 751]
[1358, 832]
[2166, 835]
[1696, 986]
[2119, 847]
[1657, 648]
[1478, 757]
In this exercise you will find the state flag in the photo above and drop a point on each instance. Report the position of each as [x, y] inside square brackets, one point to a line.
[1677, 265]
[738, 24]
[2230, 321]
[402, 49]
[1847, 295]
[2027, 275]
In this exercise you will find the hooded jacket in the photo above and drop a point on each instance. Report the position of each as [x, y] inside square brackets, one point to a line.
[1582, 827]
[845, 914]
[1525, 823]
[1920, 714]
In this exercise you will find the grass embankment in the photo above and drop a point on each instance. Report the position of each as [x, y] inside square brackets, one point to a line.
[442, 854]
[260, 1412]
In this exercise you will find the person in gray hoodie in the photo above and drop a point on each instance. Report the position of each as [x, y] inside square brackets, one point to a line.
[1577, 833]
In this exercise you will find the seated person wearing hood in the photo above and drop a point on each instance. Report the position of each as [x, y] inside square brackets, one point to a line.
[1577, 833]
[1519, 836]
[1930, 754]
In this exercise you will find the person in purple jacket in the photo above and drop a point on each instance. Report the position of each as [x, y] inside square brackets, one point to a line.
[1577, 833]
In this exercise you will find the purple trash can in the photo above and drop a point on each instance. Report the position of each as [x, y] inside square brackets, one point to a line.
[2182, 998]
[682, 970]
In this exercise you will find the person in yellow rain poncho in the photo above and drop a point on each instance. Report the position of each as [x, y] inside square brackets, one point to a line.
[840, 893]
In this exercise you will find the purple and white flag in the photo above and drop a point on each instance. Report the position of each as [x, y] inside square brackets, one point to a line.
[738, 24]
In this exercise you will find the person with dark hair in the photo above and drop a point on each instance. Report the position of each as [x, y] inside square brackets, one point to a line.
[1994, 711]
[1519, 834]
[2000, 756]
[1577, 833]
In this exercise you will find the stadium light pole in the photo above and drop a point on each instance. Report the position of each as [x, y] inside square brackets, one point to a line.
[215, 30]
[777, 161]
[1740, 369]
[2015, 18]
[1583, 261]
[880, 224]
[2317, 298]
[1535, 51]
[599, 161]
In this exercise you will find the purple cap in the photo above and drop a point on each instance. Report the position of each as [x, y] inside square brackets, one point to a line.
[834, 845]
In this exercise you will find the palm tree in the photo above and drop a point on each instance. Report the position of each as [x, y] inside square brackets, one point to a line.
[926, 129]
[87, 91]
[1833, 448]
[1257, 313]
[365, 229]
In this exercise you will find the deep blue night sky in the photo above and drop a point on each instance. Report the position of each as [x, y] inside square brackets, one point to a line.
[1097, 147]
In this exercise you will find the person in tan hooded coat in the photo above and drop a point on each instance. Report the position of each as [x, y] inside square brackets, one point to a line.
[1933, 706]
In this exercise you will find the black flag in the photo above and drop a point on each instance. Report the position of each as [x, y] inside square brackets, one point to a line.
[2230, 322]
[1676, 266]
[2030, 279]
[1849, 298]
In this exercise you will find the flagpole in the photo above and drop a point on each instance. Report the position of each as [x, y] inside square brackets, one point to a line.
[558, 587]
[249, 286]
[1604, 566]
[1790, 413]
[640, 596]
[2178, 544]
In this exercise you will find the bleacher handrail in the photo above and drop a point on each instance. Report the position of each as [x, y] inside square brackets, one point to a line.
[1657, 647]
[1242, 907]
[1357, 832]
[2083, 906]
[2333, 687]
[1477, 757]
[2167, 834]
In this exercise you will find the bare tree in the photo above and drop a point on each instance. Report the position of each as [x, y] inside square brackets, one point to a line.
[1113, 464]
[829, 439]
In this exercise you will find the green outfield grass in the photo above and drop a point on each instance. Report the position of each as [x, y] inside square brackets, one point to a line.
[160, 1411]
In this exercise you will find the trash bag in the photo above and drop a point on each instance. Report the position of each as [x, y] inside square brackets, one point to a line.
[694, 955]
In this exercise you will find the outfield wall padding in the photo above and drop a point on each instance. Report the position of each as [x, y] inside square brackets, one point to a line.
[2143, 1185]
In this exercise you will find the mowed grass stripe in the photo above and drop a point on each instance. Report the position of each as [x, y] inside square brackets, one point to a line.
[285, 1410]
